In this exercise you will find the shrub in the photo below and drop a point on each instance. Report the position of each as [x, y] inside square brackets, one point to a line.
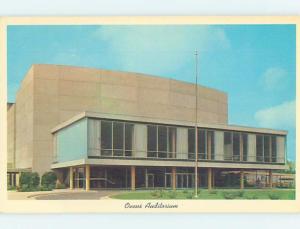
[274, 196]
[157, 194]
[29, 181]
[229, 195]
[185, 191]
[154, 193]
[251, 197]
[49, 180]
[240, 193]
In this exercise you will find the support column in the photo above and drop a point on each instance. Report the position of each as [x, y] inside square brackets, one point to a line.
[87, 177]
[209, 178]
[133, 178]
[270, 179]
[242, 179]
[71, 178]
[174, 178]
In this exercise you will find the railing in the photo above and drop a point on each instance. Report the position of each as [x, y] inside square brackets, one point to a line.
[161, 155]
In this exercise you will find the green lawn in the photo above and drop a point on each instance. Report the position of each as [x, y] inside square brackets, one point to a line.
[262, 194]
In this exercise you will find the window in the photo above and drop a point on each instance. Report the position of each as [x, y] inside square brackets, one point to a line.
[172, 142]
[106, 138]
[128, 139]
[267, 149]
[118, 138]
[201, 144]
[259, 148]
[152, 141]
[274, 149]
[162, 141]
[211, 145]
[236, 146]
[245, 146]
[228, 147]
[191, 143]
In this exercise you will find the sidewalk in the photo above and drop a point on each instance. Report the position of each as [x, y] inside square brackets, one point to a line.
[61, 194]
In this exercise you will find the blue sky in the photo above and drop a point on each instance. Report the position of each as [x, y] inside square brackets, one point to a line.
[254, 64]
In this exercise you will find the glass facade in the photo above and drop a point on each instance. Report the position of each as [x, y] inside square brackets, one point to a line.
[95, 138]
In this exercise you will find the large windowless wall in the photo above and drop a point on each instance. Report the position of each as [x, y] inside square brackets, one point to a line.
[111, 138]
[71, 142]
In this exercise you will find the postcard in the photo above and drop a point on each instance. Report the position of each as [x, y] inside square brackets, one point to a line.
[149, 114]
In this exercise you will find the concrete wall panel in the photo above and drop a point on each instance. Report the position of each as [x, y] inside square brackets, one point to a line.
[219, 145]
[11, 135]
[140, 141]
[182, 143]
[251, 148]
[280, 142]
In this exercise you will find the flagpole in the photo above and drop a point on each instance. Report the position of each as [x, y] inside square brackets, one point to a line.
[196, 124]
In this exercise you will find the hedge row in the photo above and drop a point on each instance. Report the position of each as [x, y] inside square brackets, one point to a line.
[30, 182]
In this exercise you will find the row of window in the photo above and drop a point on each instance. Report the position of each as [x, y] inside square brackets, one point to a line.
[117, 139]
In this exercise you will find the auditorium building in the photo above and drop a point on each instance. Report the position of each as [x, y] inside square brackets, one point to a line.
[101, 129]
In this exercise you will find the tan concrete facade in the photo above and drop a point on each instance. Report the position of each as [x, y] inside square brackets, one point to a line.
[11, 135]
[24, 123]
[52, 94]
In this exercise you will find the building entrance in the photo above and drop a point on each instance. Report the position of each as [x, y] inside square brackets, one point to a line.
[79, 177]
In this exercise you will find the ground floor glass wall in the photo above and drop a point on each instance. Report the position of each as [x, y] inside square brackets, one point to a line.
[119, 177]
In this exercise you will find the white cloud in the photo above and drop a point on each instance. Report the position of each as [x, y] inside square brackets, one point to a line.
[282, 116]
[159, 49]
[274, 78]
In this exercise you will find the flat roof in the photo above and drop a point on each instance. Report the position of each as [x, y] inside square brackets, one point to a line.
[143, 119]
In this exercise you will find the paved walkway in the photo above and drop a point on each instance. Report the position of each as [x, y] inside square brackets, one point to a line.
[62, 194]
